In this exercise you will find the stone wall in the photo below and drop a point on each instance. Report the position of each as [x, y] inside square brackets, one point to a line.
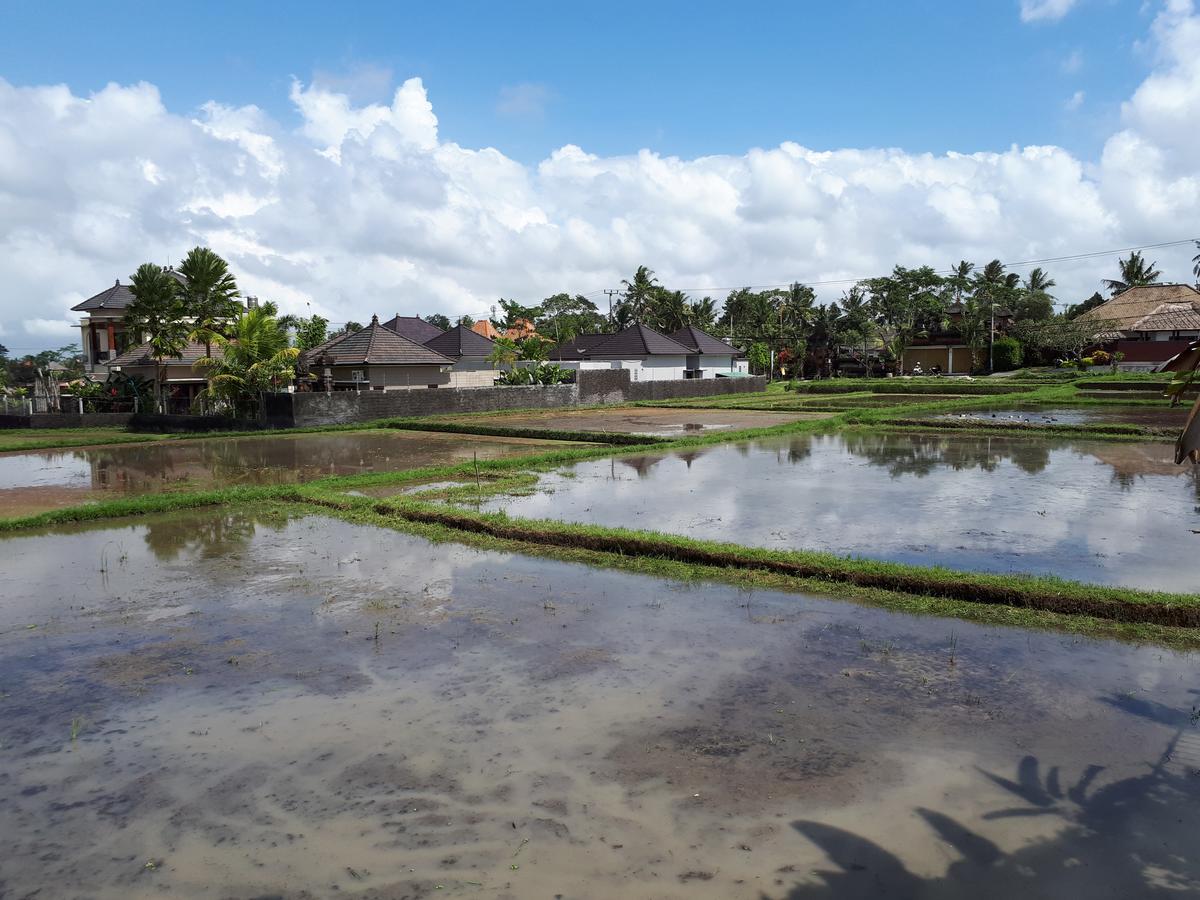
[64, 420]
[694, 387]
[595, 387]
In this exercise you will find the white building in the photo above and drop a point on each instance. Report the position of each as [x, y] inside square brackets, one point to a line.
[649, 355]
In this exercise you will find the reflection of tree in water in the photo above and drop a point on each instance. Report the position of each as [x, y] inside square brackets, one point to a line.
[921, 454]
[640, 464]
[206, 535]
[1113, 843]
[797, 450]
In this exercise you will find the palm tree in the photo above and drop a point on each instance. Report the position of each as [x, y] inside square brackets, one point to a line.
[209, 295]
[1196, 264]
[1135, 272]
[672, 311]
[959, 279]
[638, 296]
[157, 315]
[702, 314]
[1035, 300]
[256, 358]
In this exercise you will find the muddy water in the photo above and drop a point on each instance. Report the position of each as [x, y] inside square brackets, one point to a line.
[32, 482]
[656, 422]
[1162, 416]
[1111, 513]
[208, 705]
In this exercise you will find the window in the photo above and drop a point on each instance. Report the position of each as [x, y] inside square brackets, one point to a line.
[358, 375]
[431, 386]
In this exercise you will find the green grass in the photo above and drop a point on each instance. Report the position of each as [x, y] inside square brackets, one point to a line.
[52, 438]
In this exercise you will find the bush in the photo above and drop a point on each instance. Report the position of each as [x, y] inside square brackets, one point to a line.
[1007, 354]
[1100, 358]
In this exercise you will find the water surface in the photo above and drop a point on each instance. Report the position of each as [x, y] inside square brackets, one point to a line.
[36, 481]
[1105, 512]
[1161, 416]
[214, 705]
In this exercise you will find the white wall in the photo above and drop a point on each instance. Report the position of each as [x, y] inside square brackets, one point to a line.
[472, 372]
[711, 365]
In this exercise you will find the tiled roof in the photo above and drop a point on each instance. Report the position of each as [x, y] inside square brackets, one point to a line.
[1136, 303]
[1170, 317]
[578, 346]
[117, 297]
[701, 342]
[374, 346]
[141, 356]
[413, 327]
[637, 340]
[461, 341]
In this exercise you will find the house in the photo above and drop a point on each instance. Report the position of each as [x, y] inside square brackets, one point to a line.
[102, 327]
[521, 329]
[413, 327]
[181, 383]
[1149, 324]
[647, 354]
[944, 349]
[708, 357]
[470, 351]
[376, 359]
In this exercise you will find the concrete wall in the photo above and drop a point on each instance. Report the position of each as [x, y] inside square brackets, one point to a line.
[64, 420]
[473, 371]
[694, 387]
[591, 388]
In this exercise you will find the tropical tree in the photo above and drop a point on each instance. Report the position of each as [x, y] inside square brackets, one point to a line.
[637, 300]
[1196, 264]
[465, 321]
[255, 359]
[1034, 300]
[1078, 309]
[564, 317]
[311, 331]
[209, 295]
[1135, 272]
[702, 313]
[157, 314]
[349, 328]
[907, 303]
[535, 348]
[439, 320]
[504, 354]
[514, 313]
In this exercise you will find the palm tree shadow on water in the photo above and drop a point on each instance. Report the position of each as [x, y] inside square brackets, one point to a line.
[1137, 837]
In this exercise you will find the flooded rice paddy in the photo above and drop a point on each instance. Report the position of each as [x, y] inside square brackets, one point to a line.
[1104, 512]
[47, 479]
[213, 705]
[652, 421]
[1161, 416]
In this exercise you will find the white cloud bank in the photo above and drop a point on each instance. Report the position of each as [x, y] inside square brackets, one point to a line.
[1045, 10]
[364, 208]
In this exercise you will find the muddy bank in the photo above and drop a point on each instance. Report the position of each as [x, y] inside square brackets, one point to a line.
[1109, 513]
[212, 705]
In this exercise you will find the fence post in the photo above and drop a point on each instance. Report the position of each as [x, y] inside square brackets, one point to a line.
[80, 399]
[135, 404]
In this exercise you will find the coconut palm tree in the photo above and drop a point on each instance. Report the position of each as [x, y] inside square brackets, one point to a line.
[157, 315]
[209, 295]
[639, 296]
[255, 359]
[1135, 272]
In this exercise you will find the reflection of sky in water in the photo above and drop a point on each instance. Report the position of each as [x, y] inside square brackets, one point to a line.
[1160, 415]
[1114, 513]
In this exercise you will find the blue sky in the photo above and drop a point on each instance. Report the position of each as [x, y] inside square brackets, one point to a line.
[685, 79]
[798, 141]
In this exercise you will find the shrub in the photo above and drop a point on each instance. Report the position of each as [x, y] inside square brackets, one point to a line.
[1007, 354]
[1100, 358]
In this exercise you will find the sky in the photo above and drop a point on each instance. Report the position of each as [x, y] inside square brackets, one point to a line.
[381, 157]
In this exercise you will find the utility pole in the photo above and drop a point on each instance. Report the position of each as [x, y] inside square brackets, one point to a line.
[610, 293]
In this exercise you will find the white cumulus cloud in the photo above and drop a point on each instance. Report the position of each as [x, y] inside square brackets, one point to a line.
[364, 208]
[1045, 10]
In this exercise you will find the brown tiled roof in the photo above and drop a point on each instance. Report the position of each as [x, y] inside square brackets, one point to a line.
[701, 342]
[461, 341]
[413, 327]
[637, 340]
[117, 297]
[141, 356]
[1170, 317]
[1125, 309]
[374, 346]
